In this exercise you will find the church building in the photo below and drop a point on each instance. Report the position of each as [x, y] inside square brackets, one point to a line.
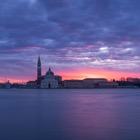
[48, 80]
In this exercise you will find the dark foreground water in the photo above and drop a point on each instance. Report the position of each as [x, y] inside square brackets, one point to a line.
[95, 114]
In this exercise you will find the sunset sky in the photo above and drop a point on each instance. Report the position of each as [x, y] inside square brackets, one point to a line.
[76, 38]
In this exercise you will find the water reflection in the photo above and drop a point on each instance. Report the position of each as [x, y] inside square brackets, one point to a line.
[69, 114]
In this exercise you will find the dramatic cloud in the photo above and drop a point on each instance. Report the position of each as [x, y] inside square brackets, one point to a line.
[69, 35]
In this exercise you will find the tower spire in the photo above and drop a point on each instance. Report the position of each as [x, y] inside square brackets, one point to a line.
[38, 68]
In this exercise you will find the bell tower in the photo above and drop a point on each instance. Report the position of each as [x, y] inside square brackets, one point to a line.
[38, 68]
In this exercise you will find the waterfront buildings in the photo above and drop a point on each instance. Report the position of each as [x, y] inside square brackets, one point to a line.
[73, 83]
[90, 83]
[133, 80]
[108, 85]
[6, 85]
[50, 80]
[32, 84]
[93, 82]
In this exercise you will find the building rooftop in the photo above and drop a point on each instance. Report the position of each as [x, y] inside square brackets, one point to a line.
[94, 79]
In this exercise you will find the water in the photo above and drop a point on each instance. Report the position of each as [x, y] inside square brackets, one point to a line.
[94, 114]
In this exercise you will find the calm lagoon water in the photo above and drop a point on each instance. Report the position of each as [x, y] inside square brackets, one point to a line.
[94, 114]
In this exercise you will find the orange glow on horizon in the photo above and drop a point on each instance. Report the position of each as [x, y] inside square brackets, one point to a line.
[97, 73]
[79, 74]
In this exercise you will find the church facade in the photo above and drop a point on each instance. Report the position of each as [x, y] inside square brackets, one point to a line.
[48, 80]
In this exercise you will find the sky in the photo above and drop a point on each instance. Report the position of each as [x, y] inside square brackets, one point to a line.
[76, 38]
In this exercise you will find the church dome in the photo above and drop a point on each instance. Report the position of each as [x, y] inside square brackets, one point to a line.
[49, 72]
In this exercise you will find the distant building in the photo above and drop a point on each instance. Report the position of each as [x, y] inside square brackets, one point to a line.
[73, 83]
[93, 82]
[2, 85]
[19, 85]
[32, 84]
[108, 84]
[7, 85]
[86, 83]
[49, 80]
[133, 80]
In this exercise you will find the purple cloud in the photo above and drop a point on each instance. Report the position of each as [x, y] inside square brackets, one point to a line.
[90, 33]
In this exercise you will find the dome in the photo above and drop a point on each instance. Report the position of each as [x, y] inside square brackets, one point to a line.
[49, 72]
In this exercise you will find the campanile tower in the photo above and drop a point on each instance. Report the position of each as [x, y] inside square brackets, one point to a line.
[38, 68]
